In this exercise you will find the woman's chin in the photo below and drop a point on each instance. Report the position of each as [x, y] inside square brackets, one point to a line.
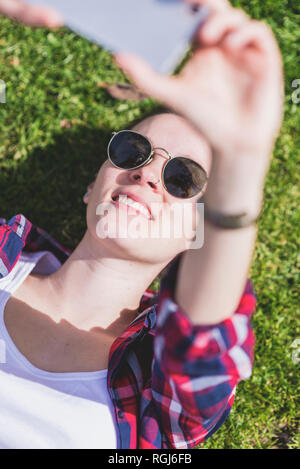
[144, 249]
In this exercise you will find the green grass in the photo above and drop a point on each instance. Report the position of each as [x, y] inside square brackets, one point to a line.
[44, 170]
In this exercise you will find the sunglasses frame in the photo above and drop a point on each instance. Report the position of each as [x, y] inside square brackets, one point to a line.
[169, 157]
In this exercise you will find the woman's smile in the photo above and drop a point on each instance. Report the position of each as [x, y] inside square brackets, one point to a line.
[131, 207]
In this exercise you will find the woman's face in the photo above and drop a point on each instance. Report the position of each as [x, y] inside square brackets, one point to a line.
[158, 236]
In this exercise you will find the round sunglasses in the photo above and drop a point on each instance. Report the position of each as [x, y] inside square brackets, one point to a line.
[182, 177]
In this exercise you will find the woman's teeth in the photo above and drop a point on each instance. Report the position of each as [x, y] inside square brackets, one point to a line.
[124, 199]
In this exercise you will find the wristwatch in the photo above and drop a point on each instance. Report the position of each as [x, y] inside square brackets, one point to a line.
[228, 221]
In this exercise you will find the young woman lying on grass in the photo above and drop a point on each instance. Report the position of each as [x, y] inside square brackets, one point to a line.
[93, 358]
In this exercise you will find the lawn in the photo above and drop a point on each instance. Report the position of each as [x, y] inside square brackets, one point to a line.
[54, 129]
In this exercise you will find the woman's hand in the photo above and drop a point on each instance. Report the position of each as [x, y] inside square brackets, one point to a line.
[231, 88]
[30, 15]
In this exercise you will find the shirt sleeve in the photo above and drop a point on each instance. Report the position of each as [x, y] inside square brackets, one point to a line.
[196, 368]
[13, 238]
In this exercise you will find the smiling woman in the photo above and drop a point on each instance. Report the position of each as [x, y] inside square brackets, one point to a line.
[70, 340]
[167, 235]
[95, 358]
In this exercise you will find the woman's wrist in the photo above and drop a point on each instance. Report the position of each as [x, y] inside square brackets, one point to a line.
[235, 185]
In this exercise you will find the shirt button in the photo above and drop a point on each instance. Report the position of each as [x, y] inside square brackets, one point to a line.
[120, 414]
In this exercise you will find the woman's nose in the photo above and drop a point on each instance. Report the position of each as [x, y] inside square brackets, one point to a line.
[149, 174]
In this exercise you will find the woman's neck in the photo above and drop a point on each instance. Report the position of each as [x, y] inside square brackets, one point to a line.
[95, 289]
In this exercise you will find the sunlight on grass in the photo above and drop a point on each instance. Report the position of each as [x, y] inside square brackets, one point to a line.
[54, 130]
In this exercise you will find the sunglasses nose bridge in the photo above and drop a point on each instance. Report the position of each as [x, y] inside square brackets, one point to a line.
[168, 157]
[150, 175]
[151, 157]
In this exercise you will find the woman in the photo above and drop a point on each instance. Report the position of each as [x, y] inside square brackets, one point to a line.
[93, 358]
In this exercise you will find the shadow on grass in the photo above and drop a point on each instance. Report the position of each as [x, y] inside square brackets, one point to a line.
[47, 186]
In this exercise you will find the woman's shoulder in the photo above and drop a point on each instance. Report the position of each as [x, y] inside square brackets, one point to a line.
[28, 263]
[19, 235]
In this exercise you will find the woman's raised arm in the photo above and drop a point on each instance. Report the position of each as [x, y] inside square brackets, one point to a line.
[231, 90]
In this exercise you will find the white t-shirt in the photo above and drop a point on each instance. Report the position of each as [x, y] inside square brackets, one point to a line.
[44, 410]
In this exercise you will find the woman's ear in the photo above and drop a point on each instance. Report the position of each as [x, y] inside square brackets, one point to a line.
[88, 192]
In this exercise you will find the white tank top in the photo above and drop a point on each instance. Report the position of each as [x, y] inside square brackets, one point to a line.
[44, 410]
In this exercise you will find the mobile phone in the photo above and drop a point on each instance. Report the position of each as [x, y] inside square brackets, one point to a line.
[159, 31]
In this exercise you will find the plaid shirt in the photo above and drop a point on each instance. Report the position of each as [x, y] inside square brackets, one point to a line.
[172, 383]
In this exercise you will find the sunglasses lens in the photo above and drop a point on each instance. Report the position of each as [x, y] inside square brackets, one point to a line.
[184, 178]
[129, 150]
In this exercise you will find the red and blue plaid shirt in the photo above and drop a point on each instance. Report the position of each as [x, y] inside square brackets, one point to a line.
[172, 383]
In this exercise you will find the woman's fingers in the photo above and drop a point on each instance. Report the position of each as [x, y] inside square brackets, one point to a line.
[255, 34]
[212, 4]
[151, 83]
[219, 24]
[30, 15]
[257, 38]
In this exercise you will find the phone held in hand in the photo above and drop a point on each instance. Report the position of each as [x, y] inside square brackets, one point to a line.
[159, 31]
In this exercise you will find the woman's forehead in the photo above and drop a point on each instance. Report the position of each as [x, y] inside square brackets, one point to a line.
[177, 136]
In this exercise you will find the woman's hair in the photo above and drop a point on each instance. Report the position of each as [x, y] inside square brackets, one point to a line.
[154, 112]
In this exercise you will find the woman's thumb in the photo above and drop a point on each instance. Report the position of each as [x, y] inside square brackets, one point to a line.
[160, 87]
